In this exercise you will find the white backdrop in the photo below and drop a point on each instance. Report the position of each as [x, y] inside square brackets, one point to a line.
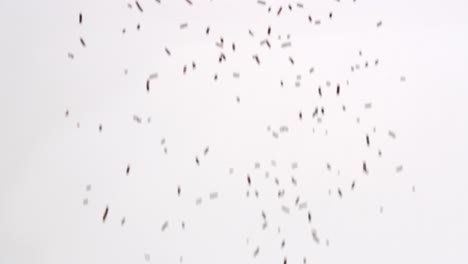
[418, 215]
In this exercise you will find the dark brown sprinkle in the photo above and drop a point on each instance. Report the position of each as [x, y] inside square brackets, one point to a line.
[67, 113]
[164, 226]
[379, 24]
[320, 91]
[290, 7]
[291, 60]
[353, 185]
[279, 11]
[178, 190]
[339, 193]
[80, 19]
[148, 85]
[330, 15]
[207, 31]
[82, 42]
[122, 222]
[197, 161]
[364, 167]
[256, 59]
[193, 65]
[238, 99]
[216, 77]
[70, 55]
[127, 171]
[260, 2]
[257, 250]
[139, 7]
[189, 2]
[285, 260]
[105, 214]
[300, 115]
[251, 33]
[310, 19]
[183, 25]
[367, 140]
[338, 89]
[233, 46]
[293, 180]
[248, 179]
[269, 30]
[168, 52]
[399, 168]
[283, 243]
[137, 119]
[309, 217]
[138, 26]
[214, 195]
[100, 127]
[315, 236]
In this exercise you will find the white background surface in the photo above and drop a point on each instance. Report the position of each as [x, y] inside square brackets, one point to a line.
[46, 161]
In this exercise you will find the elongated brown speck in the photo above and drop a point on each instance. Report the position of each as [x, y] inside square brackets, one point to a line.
[83, 42]
[139, 7]
[104, 217]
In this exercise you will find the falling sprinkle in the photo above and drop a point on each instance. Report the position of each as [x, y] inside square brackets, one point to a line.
[399, 168]
[83, 42]
[213, 195]
[257, 250]
[164, 226]
[104, 216]
[138, 6]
